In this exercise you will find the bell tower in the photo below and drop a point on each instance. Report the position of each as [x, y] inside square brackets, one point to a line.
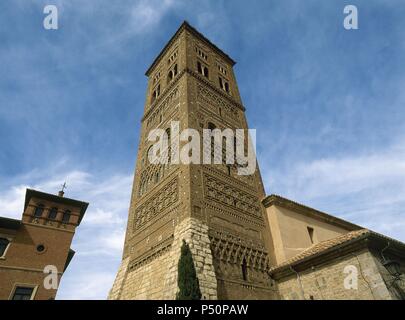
[217, 211]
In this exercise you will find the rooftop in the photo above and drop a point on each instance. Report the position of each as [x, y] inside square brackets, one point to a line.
[186, 26]
[57, 199]
[8, 223]
[332, 244]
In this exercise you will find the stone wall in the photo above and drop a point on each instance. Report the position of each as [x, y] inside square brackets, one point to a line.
[157, 279]
[326, 282]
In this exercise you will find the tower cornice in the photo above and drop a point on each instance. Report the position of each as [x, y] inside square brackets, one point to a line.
[186, 26]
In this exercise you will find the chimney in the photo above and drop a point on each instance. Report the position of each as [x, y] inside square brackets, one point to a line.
[61, 193]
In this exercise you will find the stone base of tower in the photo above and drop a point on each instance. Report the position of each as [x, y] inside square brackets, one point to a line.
[157, 279]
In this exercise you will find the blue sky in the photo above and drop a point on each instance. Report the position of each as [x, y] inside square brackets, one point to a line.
[328, 105]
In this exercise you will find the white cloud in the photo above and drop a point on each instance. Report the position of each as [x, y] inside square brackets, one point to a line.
[87, 286]
[367, 189]
[147, 14]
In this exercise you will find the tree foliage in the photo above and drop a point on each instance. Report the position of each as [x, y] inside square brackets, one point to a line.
[187, 281]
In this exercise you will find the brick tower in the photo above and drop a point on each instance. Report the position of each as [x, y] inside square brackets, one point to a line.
[217, 211]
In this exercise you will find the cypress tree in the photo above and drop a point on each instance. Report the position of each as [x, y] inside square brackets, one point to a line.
[187, 280]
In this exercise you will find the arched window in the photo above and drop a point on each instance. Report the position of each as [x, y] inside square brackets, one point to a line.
[244, 270]
[170, 76]
[149, 155]
[211, 127]
[39, 210]
[53, 213]
[169, 149]
[205, 74]
[199, 68]
[175, 69]
[221, 84]
[66, 216]
[3, 246]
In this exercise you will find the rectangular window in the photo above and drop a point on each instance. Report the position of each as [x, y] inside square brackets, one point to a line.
[66, 217]
[38, 211]
[53, 213]
[23, 293]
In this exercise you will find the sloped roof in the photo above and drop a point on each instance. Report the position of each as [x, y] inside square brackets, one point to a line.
[332, 244]
[8, 223]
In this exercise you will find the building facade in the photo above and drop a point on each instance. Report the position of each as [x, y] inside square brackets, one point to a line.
[212, 207]
[41, 238]
[319, 256]
[238, 237]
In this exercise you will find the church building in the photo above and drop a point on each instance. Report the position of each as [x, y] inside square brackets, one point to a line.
[244, 245]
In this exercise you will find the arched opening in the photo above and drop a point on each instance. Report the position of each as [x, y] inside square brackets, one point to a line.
[170, 76]
[205, 74]
[199, 68]
[244, 270]
[169, 149]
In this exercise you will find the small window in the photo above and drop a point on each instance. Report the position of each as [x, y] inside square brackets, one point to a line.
[224, 85]
[39, 210]
[155, 93]
[53, 213]
[199, 68]
[23, 293]
[244, 270]
[205, 74]
[170, 76]
[211, 126]
[202, 69]
[66, 216]
[3, 246]
[311, 234]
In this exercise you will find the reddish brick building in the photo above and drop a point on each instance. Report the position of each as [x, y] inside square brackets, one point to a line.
[41, 238]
